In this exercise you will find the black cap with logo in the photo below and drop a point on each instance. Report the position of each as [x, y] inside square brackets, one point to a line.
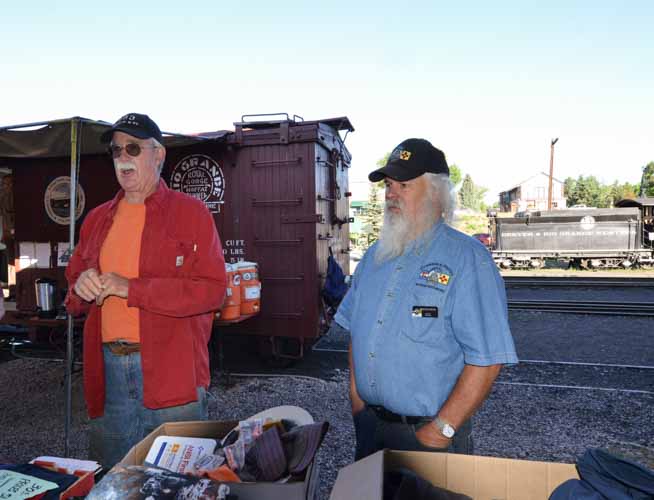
[411, 159]
[136, 125]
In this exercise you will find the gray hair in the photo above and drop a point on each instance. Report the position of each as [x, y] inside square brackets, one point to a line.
[441, 189]
[157, 144]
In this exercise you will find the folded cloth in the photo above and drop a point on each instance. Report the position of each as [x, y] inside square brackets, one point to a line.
[301, 444]
[274, 455]
[223, 474]
[603, 475]
[63, 481]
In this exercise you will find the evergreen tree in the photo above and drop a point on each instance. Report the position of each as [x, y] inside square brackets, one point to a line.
[470, 195]
[373, 216]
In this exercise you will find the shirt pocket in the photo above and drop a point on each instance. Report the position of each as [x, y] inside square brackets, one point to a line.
[176, 257]
[424, 321]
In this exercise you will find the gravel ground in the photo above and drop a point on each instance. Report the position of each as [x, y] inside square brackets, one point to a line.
[535, 411]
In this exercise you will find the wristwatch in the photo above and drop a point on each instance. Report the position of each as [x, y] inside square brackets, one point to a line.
[446, 429]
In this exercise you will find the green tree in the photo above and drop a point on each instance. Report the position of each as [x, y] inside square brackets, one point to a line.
[455, 174]
[383, 160]
[647, 180]
[373, 216]
[569, 186]
[470, 195]
[585, 191]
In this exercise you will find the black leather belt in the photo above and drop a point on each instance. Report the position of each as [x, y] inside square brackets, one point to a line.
[389, 416]
[120, 348]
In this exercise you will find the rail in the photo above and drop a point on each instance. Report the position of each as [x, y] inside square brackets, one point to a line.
[570, 281]
[589, 307]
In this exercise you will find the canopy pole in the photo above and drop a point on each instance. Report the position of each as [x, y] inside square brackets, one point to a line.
[75, 143]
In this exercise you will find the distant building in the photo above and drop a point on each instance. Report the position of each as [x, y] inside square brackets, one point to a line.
[531, 194]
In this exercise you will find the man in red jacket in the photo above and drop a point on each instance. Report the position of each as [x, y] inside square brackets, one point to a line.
[149, 272]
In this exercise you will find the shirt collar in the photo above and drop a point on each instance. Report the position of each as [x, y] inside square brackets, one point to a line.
[157, 198]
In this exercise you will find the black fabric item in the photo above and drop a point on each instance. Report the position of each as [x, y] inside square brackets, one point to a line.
[404, 484]
[301, 444]
[266, 461]
[410, 159]
[603, 475]
[136, 125]
[64, 481]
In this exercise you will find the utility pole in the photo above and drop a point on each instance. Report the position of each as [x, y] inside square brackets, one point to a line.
[549, 191]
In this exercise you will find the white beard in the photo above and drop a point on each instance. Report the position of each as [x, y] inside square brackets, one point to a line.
[394, 236]
[398, 230]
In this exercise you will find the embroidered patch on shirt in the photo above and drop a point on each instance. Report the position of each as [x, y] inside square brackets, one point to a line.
[405, 155]
[179, 260]
[435, 275]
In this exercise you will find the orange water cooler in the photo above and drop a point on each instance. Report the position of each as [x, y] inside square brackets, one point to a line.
[250, 287]
[232, 305]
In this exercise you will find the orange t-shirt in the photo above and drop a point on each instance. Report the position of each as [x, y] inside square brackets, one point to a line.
[120, 254]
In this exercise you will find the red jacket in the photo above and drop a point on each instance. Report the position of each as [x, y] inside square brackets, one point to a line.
[177, 300]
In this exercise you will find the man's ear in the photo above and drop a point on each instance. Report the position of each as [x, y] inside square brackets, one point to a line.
[161, 158]
[162, 152]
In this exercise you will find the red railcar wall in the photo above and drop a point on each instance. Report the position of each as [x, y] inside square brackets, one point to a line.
[283, 205]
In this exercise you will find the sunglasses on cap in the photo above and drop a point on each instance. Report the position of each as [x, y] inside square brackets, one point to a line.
[131, 148]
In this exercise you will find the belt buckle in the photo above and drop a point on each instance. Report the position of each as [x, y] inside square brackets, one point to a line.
[120, 347]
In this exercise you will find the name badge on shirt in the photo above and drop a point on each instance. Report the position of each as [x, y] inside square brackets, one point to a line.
[179, 260]
[424, 312]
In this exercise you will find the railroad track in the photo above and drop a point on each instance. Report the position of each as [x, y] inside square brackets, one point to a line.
[587, 307]
[577, 281]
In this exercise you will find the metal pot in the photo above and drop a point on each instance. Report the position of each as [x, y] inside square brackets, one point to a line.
[46, 291]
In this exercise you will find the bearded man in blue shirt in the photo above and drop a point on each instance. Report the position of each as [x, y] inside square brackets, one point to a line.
[427, 316]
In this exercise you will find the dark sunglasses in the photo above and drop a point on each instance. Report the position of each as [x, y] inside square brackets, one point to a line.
[132, 149]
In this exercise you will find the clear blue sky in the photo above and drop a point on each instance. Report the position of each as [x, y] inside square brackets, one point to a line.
[490, 83]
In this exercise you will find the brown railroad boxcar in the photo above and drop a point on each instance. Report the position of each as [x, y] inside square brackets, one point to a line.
[278, 190]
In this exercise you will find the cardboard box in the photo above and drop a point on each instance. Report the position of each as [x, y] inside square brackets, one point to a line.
[475, 476]
[300, 490]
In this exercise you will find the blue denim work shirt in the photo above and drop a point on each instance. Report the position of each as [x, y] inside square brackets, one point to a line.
[417, 319]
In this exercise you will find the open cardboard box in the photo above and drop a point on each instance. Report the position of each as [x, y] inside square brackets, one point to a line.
[299, 490]
[475, 476]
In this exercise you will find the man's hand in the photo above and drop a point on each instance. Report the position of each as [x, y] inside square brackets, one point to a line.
[357, 403]
[430, 435]
[88, 286]
[112, 284]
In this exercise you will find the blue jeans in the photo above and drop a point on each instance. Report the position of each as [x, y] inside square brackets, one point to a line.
[126, 421]
[374, 434]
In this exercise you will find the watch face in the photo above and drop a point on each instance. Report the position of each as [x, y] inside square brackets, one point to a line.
[448, 431]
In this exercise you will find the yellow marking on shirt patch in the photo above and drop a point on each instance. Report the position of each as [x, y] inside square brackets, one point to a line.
[443, 279]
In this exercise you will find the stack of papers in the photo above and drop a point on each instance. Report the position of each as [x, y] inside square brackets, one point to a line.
[178, 453]
[67, 465]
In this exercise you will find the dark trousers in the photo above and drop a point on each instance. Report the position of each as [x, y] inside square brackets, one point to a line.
[374, 434]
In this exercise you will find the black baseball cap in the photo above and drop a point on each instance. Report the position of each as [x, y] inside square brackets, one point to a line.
[136, 125]
[410, 159]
